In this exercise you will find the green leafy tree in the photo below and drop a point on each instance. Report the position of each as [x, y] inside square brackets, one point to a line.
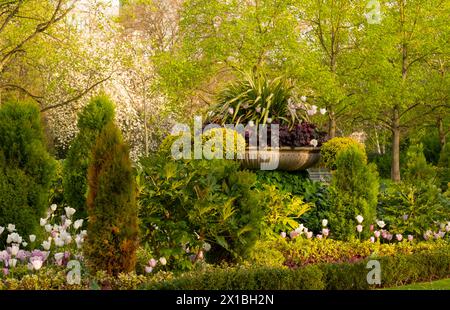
[113, 229]
[403, 77]
[92, 120]
[217, 36]
[331, 33]
[26, 168]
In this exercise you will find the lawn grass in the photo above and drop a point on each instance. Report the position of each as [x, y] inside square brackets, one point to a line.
[435, 285]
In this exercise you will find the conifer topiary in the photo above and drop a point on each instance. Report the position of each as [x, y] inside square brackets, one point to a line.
[26, 168]
[91, 121]
[112, 227]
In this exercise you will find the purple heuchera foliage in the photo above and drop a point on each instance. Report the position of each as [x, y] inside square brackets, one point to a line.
[298, 136]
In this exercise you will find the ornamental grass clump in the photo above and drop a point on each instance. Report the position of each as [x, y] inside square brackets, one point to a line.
[113, 232]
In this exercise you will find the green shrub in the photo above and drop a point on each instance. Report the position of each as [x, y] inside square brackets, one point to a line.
[320, 196]
[444, 167]
[302, 251]
[243, 278]
[26, 168]
[417, 204]
[266, 254]
[297, 184]
[418, 171]
[331, 149]
[431, 145]
[283, 210]
[355, 189]
[186, 204]
[112, 240]
[91, 121]
[395, 270]
[413, 208]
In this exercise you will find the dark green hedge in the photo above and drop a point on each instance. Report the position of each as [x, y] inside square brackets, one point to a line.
[395, 270]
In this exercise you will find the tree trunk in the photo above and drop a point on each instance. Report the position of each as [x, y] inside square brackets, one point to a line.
[395, 165]
[440, 126]
[331, 124]
[377, 141]
[144, 97]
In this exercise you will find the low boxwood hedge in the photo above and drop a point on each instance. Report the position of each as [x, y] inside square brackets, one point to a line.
[395, 270]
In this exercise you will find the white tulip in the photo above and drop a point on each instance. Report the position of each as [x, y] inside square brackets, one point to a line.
[206, 247]
[381, 224]
[12, 262]
[59, 256]
[47, 244]
[314, 142]
[359, 228]
[148, 269]
[79, 241]
[24, 244]
[43, 221]
[69, 211]
[2, 229]
[11, 228]
[14, 250]
[303, 98]
[32, 238]
[48, 228]
[59, 242]
[360, 219]
[78, 224]
[299, 229]
[14, 237]
[324, 223]
[67, 223]
[163, 261]
[53, 207]
[37, 263]
[323, 111]
[63, 234]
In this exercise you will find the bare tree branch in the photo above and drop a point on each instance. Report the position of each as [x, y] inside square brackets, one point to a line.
[77, 97]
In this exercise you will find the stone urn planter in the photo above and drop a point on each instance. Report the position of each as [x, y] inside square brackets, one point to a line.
[289, 158]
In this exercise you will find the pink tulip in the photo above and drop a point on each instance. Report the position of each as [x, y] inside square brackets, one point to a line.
[152, 263]
[399, 237]
[410, 238]
[293, 234]
[377, 234]
[372, 239]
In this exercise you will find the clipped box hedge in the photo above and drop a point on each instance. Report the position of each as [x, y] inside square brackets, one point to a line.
[395, 270]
